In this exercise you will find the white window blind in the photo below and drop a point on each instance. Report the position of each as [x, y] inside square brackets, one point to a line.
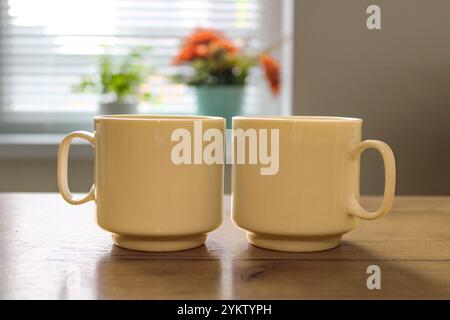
[46, 45]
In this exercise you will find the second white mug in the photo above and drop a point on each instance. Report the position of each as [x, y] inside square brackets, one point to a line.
[313, 198]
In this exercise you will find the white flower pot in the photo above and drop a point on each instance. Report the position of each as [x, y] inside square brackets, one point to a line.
[117, 108]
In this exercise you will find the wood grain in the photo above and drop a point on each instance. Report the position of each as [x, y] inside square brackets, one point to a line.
[51, 250]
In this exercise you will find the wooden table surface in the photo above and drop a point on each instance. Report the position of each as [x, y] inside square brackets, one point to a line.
[52, 250]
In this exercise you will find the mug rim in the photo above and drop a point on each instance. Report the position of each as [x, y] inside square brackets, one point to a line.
[299, 118]
[154, 117]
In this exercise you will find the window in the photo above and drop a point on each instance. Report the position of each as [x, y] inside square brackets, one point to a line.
[46, 45]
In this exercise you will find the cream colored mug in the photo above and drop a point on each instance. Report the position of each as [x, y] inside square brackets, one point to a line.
[148, 202]
[313, 199]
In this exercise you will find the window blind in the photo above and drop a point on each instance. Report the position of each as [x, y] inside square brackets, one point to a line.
[47, 45]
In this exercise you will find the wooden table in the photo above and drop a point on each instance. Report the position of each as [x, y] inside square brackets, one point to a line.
[52, 250]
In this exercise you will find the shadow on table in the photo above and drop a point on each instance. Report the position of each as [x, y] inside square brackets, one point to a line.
[126, 274]
[335, 274]
[254, 273]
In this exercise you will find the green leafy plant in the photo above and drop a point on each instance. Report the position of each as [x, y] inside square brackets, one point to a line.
[124, 80]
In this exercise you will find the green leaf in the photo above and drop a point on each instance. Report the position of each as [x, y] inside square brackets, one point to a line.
[119, 75]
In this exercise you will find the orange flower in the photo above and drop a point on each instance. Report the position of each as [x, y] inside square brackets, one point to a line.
[186, 54]
[223, 55]
[202, 43]
[224, 44]
[202, 36]
[272, 72]
[201, 51]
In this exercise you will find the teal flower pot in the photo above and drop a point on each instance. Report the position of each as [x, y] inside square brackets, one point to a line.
[221, 101]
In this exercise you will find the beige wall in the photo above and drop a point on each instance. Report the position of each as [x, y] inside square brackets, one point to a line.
[397, 79]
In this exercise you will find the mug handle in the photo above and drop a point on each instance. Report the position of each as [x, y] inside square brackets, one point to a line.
[355, 208]
[63, 155]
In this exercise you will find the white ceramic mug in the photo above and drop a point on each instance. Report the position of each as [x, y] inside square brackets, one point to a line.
[313, 198]
[142, 197]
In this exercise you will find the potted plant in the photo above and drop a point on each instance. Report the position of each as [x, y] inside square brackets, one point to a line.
[220, 71]
[121, 81]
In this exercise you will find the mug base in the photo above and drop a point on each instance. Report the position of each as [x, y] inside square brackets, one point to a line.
[294, 244]
[158, 244]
